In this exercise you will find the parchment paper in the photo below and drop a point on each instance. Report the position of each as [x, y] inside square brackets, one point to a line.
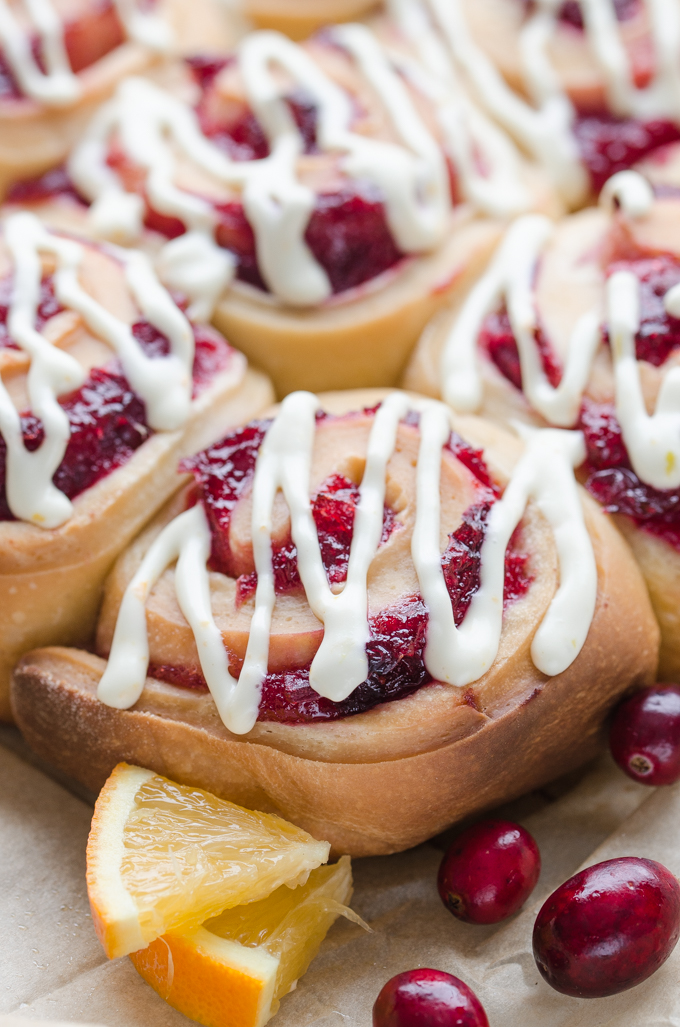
[52, 968]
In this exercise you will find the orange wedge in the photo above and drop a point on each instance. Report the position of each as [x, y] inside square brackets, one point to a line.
[161, 856]
[233, 971]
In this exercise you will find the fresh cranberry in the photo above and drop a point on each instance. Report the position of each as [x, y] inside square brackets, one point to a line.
[497, 338]
[659, 333]
[645, 735]
[608, 144]
[608, 928]
[427, 998]
[489, 872]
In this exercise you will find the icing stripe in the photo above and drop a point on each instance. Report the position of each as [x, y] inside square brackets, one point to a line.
[457, 655]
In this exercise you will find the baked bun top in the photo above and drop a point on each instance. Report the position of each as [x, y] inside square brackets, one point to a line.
[95, 357]
[309, 172]
[338, 556]
[44, 48]
[582, 318]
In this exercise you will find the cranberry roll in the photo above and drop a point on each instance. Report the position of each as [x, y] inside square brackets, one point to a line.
[588, 86]
[104, 385]
[366, 614]
[58, 61]
[309, 196]
[578, 324]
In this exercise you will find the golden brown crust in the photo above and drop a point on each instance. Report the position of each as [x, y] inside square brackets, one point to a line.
[51, 581]
[357, 343]
[299, 18]
[386, 779]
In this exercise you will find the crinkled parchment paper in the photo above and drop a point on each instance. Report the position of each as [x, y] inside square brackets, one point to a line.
[52, 968]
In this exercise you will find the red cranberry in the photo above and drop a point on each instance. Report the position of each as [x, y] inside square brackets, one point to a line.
[427, 998]
[608, 928]
[645, 735]
[489, 872]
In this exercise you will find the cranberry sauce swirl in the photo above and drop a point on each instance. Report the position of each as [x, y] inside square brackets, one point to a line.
[107, 419]
[398, 633]
[611, 478]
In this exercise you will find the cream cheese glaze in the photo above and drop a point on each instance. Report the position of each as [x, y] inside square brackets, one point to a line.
[164, 383]
[152, 126]
[58, 85]
[653, 442]
[459, 656]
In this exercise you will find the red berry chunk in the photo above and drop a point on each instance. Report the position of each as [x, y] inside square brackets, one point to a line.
[645, 735]
[489, 872]
[608, 928]
[659, 333]
[497, 338]
[427, 998]
[48, 306]
[608, 144]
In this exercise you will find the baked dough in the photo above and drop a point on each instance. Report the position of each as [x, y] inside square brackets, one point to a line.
[299, 18]
[390, 777]
[51, 579]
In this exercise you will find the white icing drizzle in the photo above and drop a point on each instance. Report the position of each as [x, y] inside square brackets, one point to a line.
[153, 126]
[457, 655]
[545, 130]
[58, 85]
[467, 132]
[511, 275]
[653, 443]
[163, 383]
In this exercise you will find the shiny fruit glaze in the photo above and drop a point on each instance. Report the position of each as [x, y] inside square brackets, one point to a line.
[427, 998]
[489, 872]
[497, 338]
[86, 39]
[106, 418]
[608, 928]
[645, 735]
[615, 485]
[608, 144]
[396, 647]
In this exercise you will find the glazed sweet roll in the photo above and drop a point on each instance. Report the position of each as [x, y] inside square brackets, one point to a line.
[578, 324]
[59, 59]
[364, 613]
[309, 196]
[587, 86]
[105, 384]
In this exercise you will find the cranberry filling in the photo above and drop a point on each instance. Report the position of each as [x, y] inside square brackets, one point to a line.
[498, 340]
[659, 333]
[613, 482]
[398, 634]
[571, 13]
[55, 182]
[107, 420]
[608, 144]
[333, 510]
[48, 306]
[86, 40]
